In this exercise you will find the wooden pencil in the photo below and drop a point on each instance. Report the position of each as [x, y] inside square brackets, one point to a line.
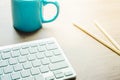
[114, 43]
[99, 40]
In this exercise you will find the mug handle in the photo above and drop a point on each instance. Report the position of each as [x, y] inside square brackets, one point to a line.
[57, 13]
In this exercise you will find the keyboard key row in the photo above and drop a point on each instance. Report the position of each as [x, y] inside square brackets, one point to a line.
[30, 57]
[26, 49]
[35, 64]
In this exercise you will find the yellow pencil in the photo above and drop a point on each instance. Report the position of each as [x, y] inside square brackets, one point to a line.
[99, 40]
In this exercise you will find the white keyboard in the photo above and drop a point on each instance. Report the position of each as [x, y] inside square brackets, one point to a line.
[35, 60]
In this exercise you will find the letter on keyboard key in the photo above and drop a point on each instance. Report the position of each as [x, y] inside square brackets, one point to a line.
[59, 65]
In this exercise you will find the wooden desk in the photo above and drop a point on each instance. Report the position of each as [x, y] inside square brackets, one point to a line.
[90, 59]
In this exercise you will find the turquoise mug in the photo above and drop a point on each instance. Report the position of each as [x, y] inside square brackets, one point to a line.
[28, 14]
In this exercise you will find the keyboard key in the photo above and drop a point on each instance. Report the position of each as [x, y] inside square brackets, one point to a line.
[31, 57]
[3, 63]
[13, 61]
[49, 53]
[39, 77]
[45, 61]
[68, 73]
[6, 77]
[59, 65]
[25, 46]
[35, 71]
[50, 42]
[28, 78]
[34, 44]
[17, 67]
[50, 78]
[42, 43]
[51, 46]
[33, 50]
[57, 52]
[41, 48]
[40, 55]
[58, 74]
[16, 48]
[56, 58]
[8, 69]
[25, 73]
[44, 69]
[15, 53]
[6, 50]
[27, 65]
[6, 55]
[24, 52]
[15, 75]
[36, 63]
[22, 59]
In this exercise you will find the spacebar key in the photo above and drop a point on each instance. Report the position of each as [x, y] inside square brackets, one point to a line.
[58, 65]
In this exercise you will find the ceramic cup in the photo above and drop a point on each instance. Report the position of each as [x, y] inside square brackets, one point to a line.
[28, 14]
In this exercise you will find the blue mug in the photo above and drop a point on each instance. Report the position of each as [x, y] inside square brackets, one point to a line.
[28, 14]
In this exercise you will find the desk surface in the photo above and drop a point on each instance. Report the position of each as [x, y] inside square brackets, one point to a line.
[90, 59]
